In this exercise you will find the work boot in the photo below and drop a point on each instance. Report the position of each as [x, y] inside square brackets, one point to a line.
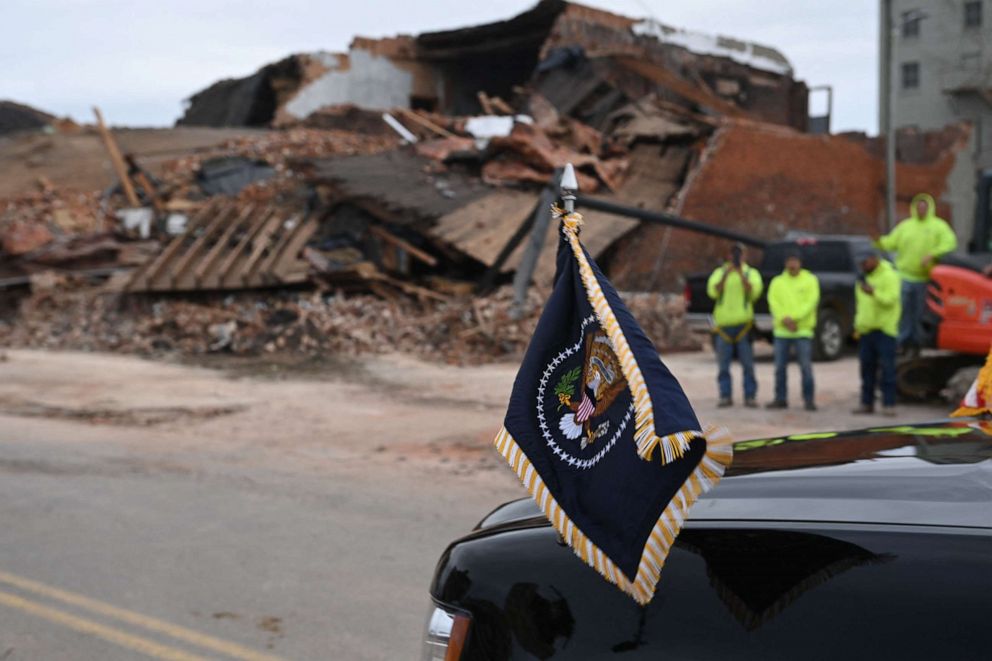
[776, 404]
[810, 406]
[889, 411]
[751, 403]
[724, 402]
[864, 409]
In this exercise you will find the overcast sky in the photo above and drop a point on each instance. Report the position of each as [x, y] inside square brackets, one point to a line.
[138, 60]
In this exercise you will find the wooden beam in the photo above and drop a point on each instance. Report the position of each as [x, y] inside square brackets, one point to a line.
[142, 180]
[489, 277]
[286, 253]
[205, 268]
[116, 159]
[145, 276]
[182, 276]
[232, 263]
[426, 123]
[388, 236]
[664, 77]
[260, 243]
[500, 105]
[484, 102]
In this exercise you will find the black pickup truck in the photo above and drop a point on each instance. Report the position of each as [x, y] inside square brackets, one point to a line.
[830, 257]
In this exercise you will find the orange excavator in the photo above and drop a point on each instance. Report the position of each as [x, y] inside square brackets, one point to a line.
[957, 329]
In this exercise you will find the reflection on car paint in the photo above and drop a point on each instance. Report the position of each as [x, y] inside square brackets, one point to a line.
[759, 573]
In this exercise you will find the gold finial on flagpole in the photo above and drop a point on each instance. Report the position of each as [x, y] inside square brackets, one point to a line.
[569, 184]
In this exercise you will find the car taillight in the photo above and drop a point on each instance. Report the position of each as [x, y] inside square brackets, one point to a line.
[687, 295]
[447, 631]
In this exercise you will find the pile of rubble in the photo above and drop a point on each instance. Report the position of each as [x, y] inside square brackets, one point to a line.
[281, 150]
[62, 314]
[31, 220]
[43, 229]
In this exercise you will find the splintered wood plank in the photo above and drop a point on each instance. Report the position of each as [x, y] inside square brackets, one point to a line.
[286, 257]
[265, 268]
[116, 159]
[162, 278]
[146, 277]
[182, 270]
[260, 244]
[232, 264]
[481, 229]
[208, 265]
[426, 123]
[213, 278]
[414, 251]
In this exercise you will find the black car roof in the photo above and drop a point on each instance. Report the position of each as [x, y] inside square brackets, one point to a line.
[937, 474]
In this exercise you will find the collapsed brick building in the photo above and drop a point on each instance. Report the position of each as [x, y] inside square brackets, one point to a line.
[421, 159]
[713, 128]
[568, 51]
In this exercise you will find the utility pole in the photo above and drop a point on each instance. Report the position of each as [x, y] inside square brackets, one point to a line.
[889, 72]
[889, 86]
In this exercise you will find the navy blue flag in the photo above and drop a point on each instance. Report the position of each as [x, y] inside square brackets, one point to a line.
[600, 432]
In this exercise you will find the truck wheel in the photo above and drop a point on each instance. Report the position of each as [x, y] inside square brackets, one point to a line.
[829, 341]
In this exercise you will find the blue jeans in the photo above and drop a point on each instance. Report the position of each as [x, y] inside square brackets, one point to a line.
[914, 296]
[804, 356]
[874, 349]
[725, 355]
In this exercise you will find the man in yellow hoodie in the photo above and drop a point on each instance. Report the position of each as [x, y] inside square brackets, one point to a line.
[876, 322]
[793, 298]
[919, 242]
[735, 287]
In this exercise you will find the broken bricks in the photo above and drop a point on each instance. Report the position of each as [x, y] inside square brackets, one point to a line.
[67, 314]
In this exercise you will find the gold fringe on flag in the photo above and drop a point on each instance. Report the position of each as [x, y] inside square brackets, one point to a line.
[704, 477]
[673, 446]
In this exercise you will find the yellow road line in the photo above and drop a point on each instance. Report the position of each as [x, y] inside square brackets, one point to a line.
[136, 643]
[150, 623]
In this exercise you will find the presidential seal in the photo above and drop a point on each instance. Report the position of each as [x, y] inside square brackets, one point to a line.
[583, 403]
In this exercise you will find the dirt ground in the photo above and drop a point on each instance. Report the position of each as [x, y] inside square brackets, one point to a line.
[367, 408]
[297, 510]
[373, 414]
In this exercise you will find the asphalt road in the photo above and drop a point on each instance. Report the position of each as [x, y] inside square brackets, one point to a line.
[280, 565]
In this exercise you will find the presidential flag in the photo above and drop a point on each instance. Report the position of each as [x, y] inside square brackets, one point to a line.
[600, 432]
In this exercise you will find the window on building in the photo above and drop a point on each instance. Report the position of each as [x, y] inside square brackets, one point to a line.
[973, 14]
[910, 75]
[911, 23]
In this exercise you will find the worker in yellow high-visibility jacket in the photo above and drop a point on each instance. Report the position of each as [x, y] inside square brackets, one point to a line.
[876, 322]
[793, 298]
[735, 287]
[919, 242]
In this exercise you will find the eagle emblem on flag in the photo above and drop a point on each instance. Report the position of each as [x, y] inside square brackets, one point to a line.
[601, 433]
[601, 385]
